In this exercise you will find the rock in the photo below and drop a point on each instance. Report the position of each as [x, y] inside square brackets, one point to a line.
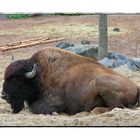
[75, 121]
[88, 50]
[118, 59]
[85, 50]
[85, 42]
[106, 62]
[116, 29]
[55, 114]
[134, 64]
[114, 60]
[64, 45]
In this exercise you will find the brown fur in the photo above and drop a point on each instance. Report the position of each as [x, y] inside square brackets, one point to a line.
[71, 83]
[84, 81]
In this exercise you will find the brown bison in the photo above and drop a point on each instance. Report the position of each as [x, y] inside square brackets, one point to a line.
[54, 80]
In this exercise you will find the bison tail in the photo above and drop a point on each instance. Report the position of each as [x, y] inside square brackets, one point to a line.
[138, 96]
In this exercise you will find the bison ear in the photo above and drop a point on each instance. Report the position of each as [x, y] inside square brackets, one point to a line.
[32, 73]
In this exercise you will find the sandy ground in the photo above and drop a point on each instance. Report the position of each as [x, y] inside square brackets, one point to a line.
[75, 29]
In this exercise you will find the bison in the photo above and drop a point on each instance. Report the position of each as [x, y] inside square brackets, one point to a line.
[55, 80]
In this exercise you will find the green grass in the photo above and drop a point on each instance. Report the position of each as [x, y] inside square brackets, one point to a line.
[68, 14]
[18, 16]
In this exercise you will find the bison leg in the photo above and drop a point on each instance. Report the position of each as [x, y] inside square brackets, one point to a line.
[112, 98]
[100, 110]
[116, 91]
[42, 106]
[17, 106]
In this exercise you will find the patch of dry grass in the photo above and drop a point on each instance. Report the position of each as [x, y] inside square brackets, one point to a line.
[64, 30]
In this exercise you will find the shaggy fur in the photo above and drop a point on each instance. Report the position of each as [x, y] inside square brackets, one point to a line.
[66, 82]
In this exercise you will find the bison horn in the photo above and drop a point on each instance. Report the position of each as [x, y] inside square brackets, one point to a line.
[32, 73]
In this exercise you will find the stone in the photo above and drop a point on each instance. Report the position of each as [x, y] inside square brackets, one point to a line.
[85, 50]
[76, 122]
[85, 42]
[134, 64]
[63, 45]
[106, 62]
[118, 59]
[116, 29]
[55, 114]
[114, 60]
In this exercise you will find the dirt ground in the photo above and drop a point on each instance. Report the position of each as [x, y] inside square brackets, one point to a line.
[74, 29]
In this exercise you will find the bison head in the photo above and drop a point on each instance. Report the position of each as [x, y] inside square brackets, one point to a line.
[19, 84]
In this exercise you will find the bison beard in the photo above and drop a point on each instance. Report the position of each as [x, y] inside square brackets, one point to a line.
[54, 80]
[18, 89]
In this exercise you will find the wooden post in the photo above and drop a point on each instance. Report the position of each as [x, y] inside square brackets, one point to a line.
[103, 49]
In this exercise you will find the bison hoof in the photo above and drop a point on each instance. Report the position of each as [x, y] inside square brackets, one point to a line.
[100, 110]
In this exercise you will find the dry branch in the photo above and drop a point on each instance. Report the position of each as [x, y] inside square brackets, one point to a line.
[27, 43]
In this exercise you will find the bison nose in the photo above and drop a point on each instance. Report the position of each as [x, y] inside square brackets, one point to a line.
[6, 97]
[3, 95]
